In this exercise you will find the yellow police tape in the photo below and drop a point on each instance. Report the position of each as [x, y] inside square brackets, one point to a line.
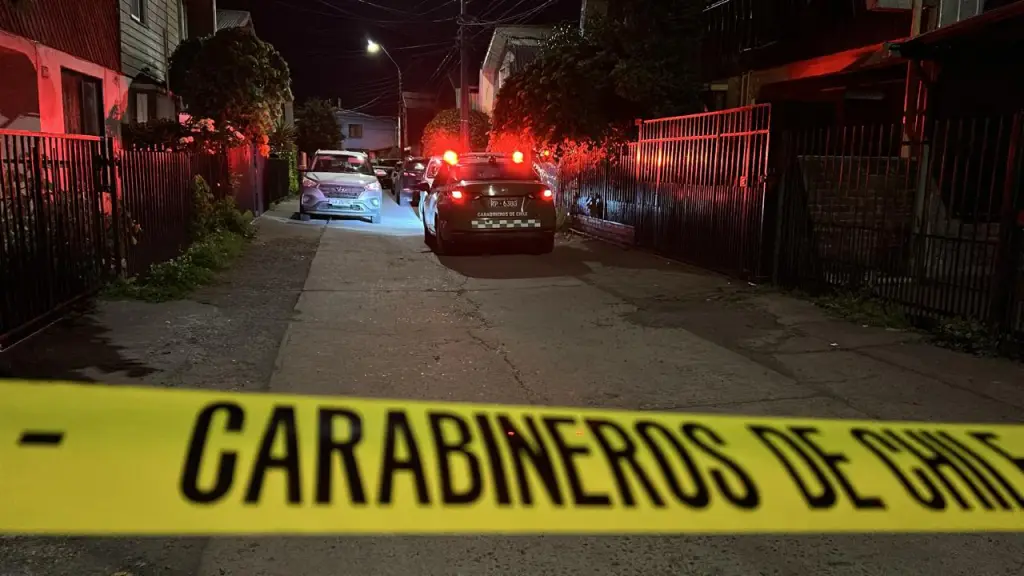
[90, 459]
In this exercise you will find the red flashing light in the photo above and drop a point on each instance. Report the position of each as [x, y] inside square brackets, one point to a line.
[451, 157]
[517, 157]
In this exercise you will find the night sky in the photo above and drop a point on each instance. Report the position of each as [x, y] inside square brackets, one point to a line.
[324, 43]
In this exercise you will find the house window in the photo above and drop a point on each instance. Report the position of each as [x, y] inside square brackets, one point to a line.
[355, 130]
[182, 20]
[141, 107]
[83, 103]
[138, 10]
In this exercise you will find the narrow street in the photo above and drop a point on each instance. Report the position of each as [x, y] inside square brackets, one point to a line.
[349, 308]
[598, 326]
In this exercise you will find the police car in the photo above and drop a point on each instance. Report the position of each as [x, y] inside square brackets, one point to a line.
[487, 197]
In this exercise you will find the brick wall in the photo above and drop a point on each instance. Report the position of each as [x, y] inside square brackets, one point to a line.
[605, 230]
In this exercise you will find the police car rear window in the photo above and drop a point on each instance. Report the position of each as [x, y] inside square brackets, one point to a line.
[500, 170]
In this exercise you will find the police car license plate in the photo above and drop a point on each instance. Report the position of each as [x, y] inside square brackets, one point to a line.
[499, 203]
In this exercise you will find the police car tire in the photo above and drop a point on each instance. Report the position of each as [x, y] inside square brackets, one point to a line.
[545, 246]
[440, 246]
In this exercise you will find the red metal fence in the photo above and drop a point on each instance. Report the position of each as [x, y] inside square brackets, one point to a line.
[692, 186]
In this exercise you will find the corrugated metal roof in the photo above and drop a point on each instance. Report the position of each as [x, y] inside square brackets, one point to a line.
[233, 19]
[88, 29]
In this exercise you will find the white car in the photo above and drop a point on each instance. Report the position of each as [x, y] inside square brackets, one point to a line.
[340, 183]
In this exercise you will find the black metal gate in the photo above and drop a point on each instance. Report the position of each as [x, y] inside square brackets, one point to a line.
[934, 227]
[55, 225]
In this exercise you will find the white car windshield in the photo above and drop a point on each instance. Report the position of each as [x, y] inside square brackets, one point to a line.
[342, 163]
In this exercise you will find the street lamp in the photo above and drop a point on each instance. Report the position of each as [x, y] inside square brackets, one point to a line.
[373, 48]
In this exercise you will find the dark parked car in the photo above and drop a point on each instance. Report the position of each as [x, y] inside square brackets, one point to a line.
[493, 197]
[407, 174]
[384, 170]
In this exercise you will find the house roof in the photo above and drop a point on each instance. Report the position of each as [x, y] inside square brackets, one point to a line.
[994, 25]
[503, 35]
[233, 19]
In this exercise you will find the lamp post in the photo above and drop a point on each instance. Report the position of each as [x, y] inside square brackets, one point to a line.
[373, 48]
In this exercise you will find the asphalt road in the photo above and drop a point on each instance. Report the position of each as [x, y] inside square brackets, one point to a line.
[589, 325]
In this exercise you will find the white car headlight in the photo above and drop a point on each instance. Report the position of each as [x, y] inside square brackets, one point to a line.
[307, 183]
[372, 187]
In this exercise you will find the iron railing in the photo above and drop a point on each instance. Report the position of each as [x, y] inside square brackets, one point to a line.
[693, 187]
[55, 224]
[75, 213]
[932, 226]
[157, 204]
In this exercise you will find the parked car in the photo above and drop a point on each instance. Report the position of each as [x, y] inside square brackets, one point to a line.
[384, 170]
[432, 167]
[340, 183]
[407, 174]
[487, 197]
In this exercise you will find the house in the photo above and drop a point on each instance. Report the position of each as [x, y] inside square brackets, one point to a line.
[57, 79]
[366, 133]
[511, 48]
[150, 32]
[474, 96]
[895, 122]
[823, 61]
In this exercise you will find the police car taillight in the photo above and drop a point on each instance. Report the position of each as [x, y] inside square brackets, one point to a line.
[547, 194]
[457, 195]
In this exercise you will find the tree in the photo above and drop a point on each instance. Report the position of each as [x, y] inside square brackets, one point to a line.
[590, 87]
[232, 77]
[317, 127]
[443, 132]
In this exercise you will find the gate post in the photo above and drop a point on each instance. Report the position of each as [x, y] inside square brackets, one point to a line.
[1009, 246]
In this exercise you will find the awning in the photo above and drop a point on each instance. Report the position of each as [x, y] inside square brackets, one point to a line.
[1001, 25]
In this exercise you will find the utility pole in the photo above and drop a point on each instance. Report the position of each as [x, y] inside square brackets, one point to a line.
[464, 78]
[401, 115]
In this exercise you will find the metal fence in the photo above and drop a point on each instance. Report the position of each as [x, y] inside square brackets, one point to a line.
[693, 187]
[277, 181]
[75, 213]
[932, 222]
[156, 207]
[932, 226]
[55, 229]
